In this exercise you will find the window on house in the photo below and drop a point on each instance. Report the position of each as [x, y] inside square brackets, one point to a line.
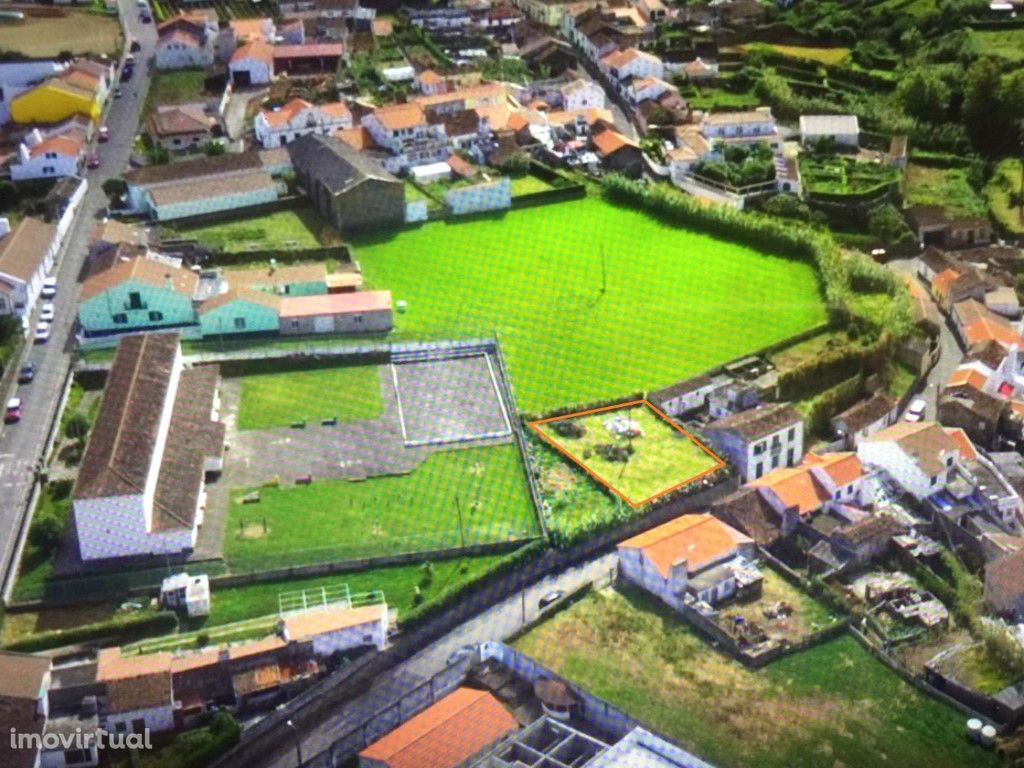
[239, 323]
[121, 318]
[135, 300]
[120, 727]
[792, 433]
[789, 457]
[47, 169]
[949, 461]
[155, 316]
[935, 480]
[758, 470]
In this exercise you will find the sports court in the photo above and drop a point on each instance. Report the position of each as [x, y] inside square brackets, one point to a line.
[449, 399]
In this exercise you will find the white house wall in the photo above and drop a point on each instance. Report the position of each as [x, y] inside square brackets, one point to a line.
[156, 718]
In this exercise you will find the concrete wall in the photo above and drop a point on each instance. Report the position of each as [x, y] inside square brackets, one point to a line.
[492, 196]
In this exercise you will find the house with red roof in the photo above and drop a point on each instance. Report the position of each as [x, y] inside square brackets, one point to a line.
[186, 40]
[820, 482]
[50, 155]
[691, 558]
[276, 127]
[446, 734]
[359, 312]
[252, 64]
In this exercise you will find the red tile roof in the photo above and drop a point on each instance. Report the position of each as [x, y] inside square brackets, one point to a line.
[698, 539]
[445, 734]
[335, 303]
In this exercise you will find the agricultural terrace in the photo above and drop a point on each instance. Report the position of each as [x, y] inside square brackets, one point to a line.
[590, 299]
[633, 450]
[79, 32]
[278, 399]
[822, 55]
[454, 498]
[1003, 193]
[1004, 44]
[948, 187]
[291, 229]
[831, 705]
[226, 9]
[838, 175]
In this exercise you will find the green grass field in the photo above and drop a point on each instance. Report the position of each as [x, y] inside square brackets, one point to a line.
[663, 457]
[832, 705]
[947, 187]
[285, 230]
[676, 301]
[340, 519]
[278, 399]
[999, 192]
[1008, 44]
[173, 87]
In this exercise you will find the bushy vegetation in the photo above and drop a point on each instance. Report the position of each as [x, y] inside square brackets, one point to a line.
[739, 166]
[122, 628]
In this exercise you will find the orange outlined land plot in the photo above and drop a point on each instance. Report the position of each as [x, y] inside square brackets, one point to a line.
[633, 448]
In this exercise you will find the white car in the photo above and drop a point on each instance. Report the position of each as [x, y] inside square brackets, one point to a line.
[49, 288]
[47, 313]
[916, 410]
[42, 332]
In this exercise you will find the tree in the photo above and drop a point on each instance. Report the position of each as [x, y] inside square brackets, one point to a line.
[924, 95]
[114, 187]
[46, 532]
[214, 148]
[77, 427]
[982, 103]
[886, 224]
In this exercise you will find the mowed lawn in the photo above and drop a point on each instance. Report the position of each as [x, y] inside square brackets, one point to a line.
[286, 230]
[279, 399]
[77, 31]
[831, 705]
[341, 519]
[174, 87]
[662, 458]
[675, 302]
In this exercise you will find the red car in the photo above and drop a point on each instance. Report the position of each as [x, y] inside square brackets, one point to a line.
[93, 161]
[104, 134]
[13, 412]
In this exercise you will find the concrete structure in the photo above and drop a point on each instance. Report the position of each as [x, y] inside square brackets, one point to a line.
[694, 556]
[138, 691]
[49, 156]
[349, 189]
[844, 130]
[360, 312]
[760, 439]
[80, 89]
[403, 130]
[186, 40]
[919, 457]
[24, 704]
[748, 128]
[333, 629]
[140, 490]
[188, 593]
[278, 127]
[252, 64]
[865, 418]
[685, 396]
[26, 258]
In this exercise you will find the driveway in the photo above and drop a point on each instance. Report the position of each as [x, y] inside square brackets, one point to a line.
[498, 623]
[22, 444]
[950, 352]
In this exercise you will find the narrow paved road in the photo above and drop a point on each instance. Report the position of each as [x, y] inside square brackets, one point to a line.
[950, 351]
[22, 444]
[497, 623]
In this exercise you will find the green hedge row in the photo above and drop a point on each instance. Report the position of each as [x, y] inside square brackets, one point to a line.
[456, 594]
[836, 269]
[122, 629]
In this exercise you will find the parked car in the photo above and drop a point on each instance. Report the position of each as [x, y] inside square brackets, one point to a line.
[13, 412]
[118, 93]
[103, 134]
[915, 412]
[550, 599]
[42, 332]
[135, 46]
[126, 74]
[49, 289]
[47, 312]
[26, 373]
[93, 160]
[145, 18]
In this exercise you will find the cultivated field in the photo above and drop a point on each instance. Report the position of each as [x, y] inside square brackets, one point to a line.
[1002, 190]
[77, 31]
[823, 55]
[672, 303]
[948, 187]
[470, 496]
[833, 705]
[646, 460]
[285, 230]
[279, 399]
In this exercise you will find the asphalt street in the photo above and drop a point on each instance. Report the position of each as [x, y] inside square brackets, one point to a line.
[497, 623]
[22, 444]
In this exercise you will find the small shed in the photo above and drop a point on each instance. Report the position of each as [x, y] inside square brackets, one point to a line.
[843, 129]
[191, 593]
[425, 174]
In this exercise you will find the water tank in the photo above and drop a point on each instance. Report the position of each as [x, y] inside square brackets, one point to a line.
[988, 736]
[974, 730]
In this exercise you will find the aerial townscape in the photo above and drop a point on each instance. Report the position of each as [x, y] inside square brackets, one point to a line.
[512, 383]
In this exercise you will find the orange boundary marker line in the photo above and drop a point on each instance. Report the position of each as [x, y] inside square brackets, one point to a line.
[535, 426]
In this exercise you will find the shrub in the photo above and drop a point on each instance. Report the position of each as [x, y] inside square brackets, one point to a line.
[886, 223]
[569, 428]
[121, 629]
[77, 427]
